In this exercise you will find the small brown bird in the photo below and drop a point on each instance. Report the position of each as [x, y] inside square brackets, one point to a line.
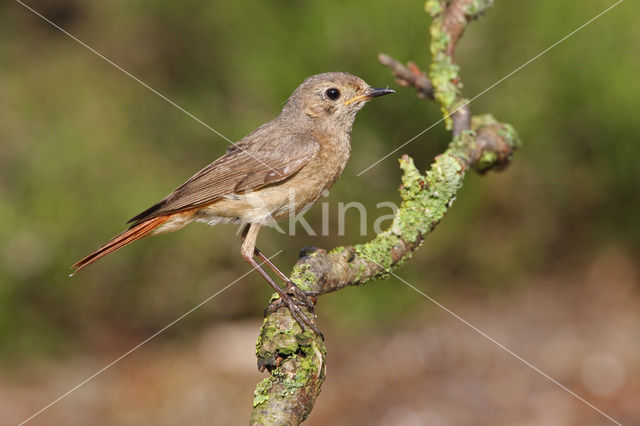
[274, 173]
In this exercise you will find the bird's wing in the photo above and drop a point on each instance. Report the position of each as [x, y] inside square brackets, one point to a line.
[247, 166]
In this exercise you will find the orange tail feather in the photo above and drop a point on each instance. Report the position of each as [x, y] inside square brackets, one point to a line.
[130, 235]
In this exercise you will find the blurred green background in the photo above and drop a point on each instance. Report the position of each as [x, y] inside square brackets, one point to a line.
[83, 148]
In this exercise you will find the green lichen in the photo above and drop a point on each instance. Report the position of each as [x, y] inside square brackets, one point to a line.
[303, 277]
[439, 39]
[482, 120]
[405, 224]
[508, 133]
[444, 74]
[447, 169]
[306, 370]
[261, 394]
[379, 251]
[300, 353]
[360, 271]
[337, 250]
[505, 131]
[412, 180]
[433, 7]
[410, 222]
[461, 143]
[477, 7]
[486, 161]
[280, 385]
[290, 385]
[275, 340]
[308, 363]
[425, 202]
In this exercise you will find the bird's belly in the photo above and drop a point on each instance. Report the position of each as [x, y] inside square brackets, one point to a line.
[265, 206]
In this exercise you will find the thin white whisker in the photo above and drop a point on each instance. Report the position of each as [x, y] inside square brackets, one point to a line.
[493, 85]
[144, 84]
[67, 393]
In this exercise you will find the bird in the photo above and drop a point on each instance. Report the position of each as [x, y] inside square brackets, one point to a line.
[276, 172]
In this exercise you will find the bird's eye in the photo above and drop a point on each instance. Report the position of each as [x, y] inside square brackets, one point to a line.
[332, 93]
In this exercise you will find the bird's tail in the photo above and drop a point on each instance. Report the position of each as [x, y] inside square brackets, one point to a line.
[130, 235]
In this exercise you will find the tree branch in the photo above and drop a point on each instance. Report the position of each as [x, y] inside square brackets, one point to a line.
[296, 359]
[408, 76]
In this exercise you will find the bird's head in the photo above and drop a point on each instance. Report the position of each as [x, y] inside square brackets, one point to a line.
[331, 99]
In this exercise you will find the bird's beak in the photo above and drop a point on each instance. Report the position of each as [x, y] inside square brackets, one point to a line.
[372, 92]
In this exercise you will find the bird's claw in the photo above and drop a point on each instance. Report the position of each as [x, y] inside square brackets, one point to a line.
[308, 298]
[294, 303]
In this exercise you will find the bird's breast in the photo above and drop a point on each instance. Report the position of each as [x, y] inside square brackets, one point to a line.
[285, 199]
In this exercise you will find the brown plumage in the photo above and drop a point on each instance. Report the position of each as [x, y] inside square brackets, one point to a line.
[277, 171]
[130, 235]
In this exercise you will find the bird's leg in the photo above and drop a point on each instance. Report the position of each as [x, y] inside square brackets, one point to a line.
[245, 231]
[308, 299]
[248, 250]
[292, 288]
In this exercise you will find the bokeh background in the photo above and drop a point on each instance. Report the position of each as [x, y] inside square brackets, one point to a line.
[543, 256]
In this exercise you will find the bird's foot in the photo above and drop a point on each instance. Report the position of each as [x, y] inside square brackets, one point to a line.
[308, 298]
[295, 305]
[280, 303]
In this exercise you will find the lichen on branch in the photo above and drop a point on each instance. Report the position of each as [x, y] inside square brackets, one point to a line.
[296, 359]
